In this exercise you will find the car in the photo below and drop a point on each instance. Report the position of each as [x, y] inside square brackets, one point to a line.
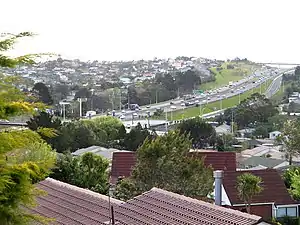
[197, 101]
[182, 104]
[122, 117]
[148, 106]
[208, 98]
[171, 103]
[123, 111]
[134, 114]
[173, 107]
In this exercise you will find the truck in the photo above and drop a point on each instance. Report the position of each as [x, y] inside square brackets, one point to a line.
[230, 84]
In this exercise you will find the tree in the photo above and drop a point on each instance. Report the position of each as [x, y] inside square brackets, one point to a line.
[164, 162]
[201, 132]
[225, 141]
[255, 109]
[135, 138]
[42, 92]
[25, 158]
[86, 171]
[292, 178]
[248, 185]
[290, 139]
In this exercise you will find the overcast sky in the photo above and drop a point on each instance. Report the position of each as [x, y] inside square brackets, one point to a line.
[261, 30]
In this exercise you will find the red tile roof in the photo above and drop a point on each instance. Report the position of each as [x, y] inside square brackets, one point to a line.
[71, 205]
[218, 160]
[122, 165]
[274, 188]
[158, 206]
[123, 162]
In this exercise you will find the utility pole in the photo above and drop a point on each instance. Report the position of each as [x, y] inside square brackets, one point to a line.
[120, 100]
[80, 107]
[260, 88]
[128, 98]
[156, 97]
[221, 101]
[64, 112]
[239, 97]
[166, 121]
[232, 122]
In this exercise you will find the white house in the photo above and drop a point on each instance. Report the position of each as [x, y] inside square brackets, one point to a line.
[274, 134]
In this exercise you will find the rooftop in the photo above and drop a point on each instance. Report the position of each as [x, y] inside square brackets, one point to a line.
[274, 190]
[68, 205]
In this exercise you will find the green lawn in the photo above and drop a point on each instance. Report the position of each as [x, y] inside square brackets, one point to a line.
[224, 76]
[277, 98]
[214, 106]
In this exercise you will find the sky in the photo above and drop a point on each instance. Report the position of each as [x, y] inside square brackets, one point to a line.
[260, 30]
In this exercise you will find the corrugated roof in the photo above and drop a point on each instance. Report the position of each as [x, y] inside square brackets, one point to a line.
[122, 165]
[218, 160]
[71, 205]
[274, 188]
[124, 162]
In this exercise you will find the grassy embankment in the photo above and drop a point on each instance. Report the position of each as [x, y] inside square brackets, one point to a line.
[214, 106]
[277, 98]
[224, 75]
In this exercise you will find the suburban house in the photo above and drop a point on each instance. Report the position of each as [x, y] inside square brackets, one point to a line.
[70, 205]
[124, 162]
[274, 134]
[273, 201]
[263, 162]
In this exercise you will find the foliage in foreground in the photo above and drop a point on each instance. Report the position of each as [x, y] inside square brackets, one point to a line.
[87, 171]
[25, 158]
[248, 185]
[165, 163]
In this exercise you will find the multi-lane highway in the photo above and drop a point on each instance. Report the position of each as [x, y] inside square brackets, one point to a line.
[246, 84]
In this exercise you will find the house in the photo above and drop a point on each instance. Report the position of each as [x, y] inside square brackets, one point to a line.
[274, 134]
[104, 152]
[223, 129]
[124, 162]
[264, 162]
[273, 201]
[122, 165]
[70, 205]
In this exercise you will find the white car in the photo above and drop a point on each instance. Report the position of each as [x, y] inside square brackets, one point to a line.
[135, 114]
[197, 101]
[182, 104]
[173, 107]
[123, 111]
[122, 117]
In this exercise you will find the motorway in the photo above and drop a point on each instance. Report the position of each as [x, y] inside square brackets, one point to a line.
[240, 87]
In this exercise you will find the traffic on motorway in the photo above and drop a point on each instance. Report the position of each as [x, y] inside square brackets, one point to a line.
[230, 90]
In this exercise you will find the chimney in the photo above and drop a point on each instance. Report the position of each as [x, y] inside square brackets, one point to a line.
[218, 175]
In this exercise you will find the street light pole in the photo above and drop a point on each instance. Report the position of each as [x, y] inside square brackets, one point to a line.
[221, 103]
[80, 107]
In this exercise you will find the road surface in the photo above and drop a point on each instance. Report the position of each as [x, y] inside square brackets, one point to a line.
[225, 92]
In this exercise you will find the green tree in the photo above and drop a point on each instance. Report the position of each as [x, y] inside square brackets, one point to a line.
[86, 171]
[42, 92]
[135, 138]
[164, 162]
[290, 139]
[201, 132]
[248, 185]
[25, 158]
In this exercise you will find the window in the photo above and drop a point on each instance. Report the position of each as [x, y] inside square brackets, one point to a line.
[287, 211]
